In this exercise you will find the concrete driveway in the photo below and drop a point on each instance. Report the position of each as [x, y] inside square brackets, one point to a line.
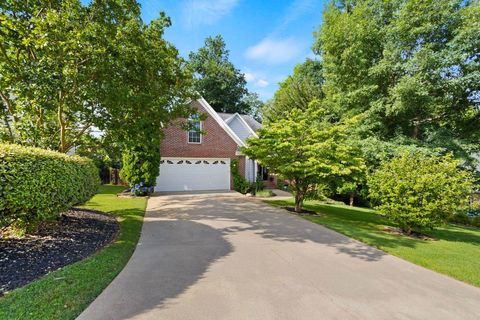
[223, 256]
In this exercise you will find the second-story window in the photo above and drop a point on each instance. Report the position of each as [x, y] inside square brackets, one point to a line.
[194, 134]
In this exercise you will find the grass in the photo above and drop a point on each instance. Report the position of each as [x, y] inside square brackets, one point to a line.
[264, 193]
[456, 252]
[65, 293]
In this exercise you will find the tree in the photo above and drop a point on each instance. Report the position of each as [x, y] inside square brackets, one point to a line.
[67, 68]
[419, 191]
[411, 66]
[307, 148]
[297, 91]
[252, 101]
[217, 79]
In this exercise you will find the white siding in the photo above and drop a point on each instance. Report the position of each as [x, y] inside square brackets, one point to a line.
[250, 169]
[238, 127]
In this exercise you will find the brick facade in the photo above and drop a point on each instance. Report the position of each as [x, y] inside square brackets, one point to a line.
[216, 143]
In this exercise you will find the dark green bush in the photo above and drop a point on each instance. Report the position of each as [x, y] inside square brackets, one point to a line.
[240, 184]
[460, 218]
[141, 164]
[37, 184]
[476, 221]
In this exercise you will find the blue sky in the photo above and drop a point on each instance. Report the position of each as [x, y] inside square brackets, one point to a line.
[266, 39]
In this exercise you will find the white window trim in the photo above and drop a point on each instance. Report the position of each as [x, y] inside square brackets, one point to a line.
[201, 135]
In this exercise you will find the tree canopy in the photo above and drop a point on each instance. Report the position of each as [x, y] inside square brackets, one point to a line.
[413, 67]
[307, 148]
[67, 68]
[217, 79]
[297, 91]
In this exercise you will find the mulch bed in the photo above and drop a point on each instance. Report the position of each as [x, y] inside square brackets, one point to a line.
[77, 234]
[303, 213]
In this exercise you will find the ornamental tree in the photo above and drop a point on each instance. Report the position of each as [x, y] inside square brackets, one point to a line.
[419, 191]
[307, 148]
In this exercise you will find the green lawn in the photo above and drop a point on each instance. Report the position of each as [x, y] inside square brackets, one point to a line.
[456, 252]
[64, 294]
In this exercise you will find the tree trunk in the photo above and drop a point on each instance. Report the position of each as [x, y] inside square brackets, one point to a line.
[62, 131]
[7, 123]
[61, 123]
[298, 202]
[351, 199]
[416, 128]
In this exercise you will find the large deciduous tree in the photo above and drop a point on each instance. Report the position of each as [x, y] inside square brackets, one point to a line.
[307, 148]
[413, 67]
[66, 68]
[297, 91]
[217, 79]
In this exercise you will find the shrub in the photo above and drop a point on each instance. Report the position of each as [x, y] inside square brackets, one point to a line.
[141, 164]
[37, 184]
[240, 184]
[265, 193]
[418, 191]
[460, 218]
[258, 184]
[140, 189]
[476, 221]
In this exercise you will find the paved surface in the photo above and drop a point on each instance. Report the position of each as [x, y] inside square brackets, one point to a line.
[223, 256]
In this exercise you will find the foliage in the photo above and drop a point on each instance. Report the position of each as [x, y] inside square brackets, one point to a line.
[252, 101]
[412, 67]
[217, 79]
[140, 189]
[141, 164]
[104, 151]
[297, 91]
[368, 226]
[460, 218]
[417, 191]
[259, 185]
[307, 148]
[67, 68]
[240, 184]
[264, 193]
[38, 184]
[63, 294]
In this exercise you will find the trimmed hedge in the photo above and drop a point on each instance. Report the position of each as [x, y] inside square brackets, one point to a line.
[38, 184]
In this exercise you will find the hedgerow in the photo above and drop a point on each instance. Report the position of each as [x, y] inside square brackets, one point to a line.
[38, 184]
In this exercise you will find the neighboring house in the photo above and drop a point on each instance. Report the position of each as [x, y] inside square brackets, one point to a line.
[201, 161]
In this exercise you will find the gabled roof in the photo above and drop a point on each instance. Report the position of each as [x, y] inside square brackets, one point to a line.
[224, 119]
[253, 124]
[212, 113]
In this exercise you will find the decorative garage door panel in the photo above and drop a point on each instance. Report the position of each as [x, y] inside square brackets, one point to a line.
[191, 174]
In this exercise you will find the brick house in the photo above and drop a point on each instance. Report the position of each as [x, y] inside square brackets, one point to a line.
[201, 161]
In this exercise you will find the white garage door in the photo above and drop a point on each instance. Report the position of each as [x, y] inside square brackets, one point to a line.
[184, 174]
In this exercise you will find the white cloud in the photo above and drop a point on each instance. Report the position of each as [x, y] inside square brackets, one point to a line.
[249, 76]
[262, 83]
[197, 12]
[296, 9]
[275, 51]
[257, 79]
